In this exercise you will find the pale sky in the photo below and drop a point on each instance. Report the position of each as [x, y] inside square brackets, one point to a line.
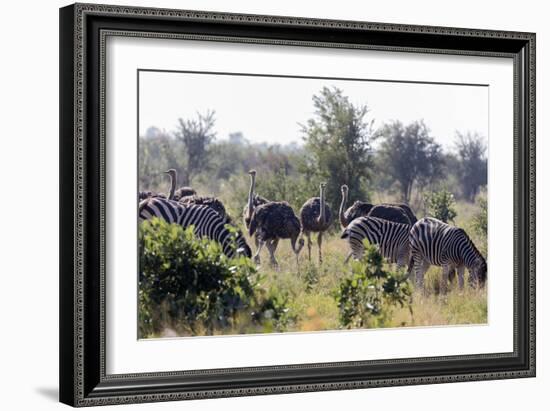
[270, 109]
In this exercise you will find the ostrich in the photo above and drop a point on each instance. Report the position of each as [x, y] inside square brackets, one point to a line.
[271, 222]
[187, 195]
[184, 192]
[406, 209]
[391, 213]
[358, 209]
[180, 192]
[142, 195]
[316, 217]
[254, 200]
[211, 202]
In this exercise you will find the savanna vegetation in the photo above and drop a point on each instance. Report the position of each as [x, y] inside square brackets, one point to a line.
[187, 285]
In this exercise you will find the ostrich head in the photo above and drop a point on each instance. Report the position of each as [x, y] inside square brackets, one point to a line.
[171, 172]
[345, 190]
[343, 219]
[252, 172]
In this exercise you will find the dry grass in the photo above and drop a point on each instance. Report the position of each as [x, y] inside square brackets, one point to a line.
[311, 288]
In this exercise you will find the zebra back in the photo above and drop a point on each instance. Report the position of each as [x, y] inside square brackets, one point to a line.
[206, 222]
[441, 244]
[391, 238]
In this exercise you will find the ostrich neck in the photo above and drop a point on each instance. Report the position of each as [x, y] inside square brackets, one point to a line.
[251, 194]
[343, 221]
[172, 187]
[322, 206]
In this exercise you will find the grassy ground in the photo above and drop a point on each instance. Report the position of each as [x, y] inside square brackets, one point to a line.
[311, 288]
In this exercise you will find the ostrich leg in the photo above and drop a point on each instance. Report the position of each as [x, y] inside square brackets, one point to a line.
[295, 249]
[308, 235]
[260, 246]
[272, 247]
[319, 243]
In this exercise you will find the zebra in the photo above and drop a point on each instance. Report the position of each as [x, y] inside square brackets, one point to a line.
[434, 242]
[207, 222]
[391, 238]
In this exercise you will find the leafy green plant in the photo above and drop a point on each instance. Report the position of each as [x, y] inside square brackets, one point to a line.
[311, 277]
[441, 205]
[479, 222]
[366, 298]
[188, 283]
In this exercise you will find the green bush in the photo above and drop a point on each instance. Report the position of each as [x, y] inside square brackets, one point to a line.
[441, 205]
[188, 284]
[366, 298]
[479, 222]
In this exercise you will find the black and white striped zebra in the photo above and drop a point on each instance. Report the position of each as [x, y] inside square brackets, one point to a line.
[434, 242]
[206, 222]
[392, 238]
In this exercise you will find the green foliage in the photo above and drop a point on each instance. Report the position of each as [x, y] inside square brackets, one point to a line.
[195, 136]
[189, 284]
[338, 143]
[311, 277]
[472, 173]
[409, 156]
[479, 222]
[367, 297]
[441, 205]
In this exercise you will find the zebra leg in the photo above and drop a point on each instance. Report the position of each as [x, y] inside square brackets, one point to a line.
[421, 266]
[402, 258]
[445, 278]
[257, 255]
[348, 257]
[320, 243]
[460, 271]
[272, 247]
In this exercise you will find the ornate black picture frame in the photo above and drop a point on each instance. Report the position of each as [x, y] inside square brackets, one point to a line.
[83, 380]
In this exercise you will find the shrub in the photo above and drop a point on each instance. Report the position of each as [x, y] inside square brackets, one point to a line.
[366, 298]
[189, 284]
[479, 222]
[441, 205]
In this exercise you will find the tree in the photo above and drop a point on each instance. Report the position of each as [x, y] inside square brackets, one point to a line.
[441, 205]
[471, 150]
[409, 155]
[339, 142]
[195, 135]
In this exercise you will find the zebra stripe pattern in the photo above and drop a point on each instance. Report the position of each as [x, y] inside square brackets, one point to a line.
[206, 222]
[391, 238]
[434, 242]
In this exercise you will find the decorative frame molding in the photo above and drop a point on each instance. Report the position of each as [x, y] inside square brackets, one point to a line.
[83, 32]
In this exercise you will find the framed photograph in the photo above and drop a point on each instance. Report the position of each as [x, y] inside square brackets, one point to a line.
[262, 204]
